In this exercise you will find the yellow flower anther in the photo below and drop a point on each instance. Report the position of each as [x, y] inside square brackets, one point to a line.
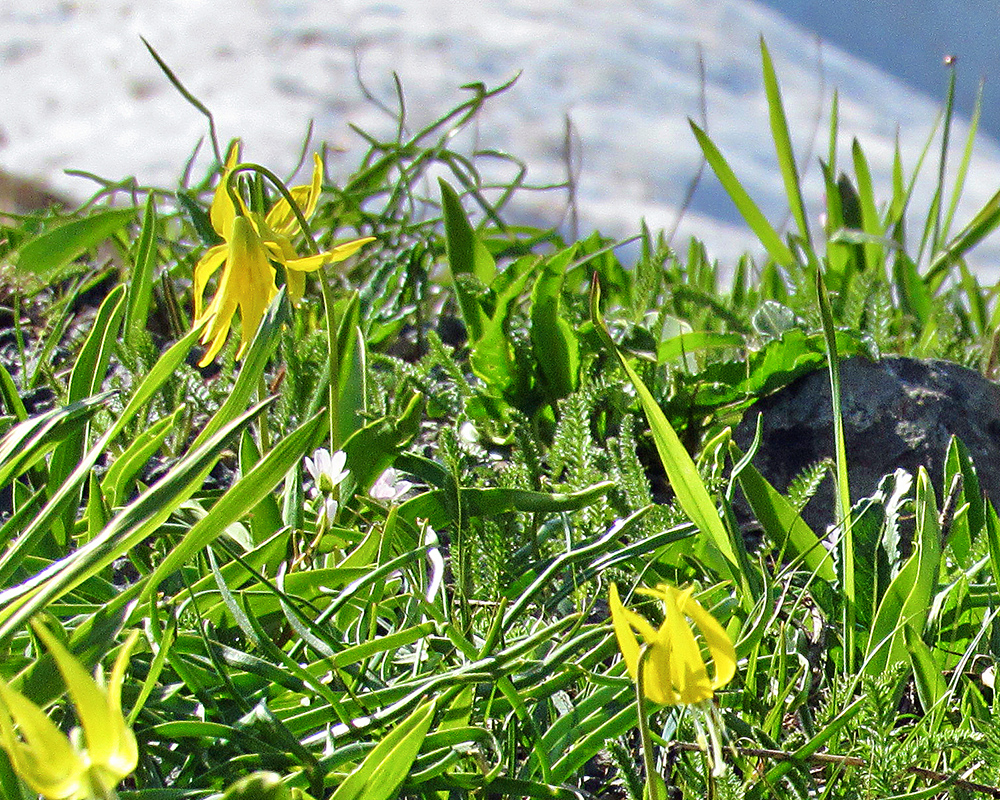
[675, 671]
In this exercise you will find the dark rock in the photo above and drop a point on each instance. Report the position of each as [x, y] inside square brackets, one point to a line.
[898, 413]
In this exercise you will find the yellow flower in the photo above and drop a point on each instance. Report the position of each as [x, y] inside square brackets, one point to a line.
[61, 768]
[247, 282]
[273, 234]
[675, 671]
[280, 225]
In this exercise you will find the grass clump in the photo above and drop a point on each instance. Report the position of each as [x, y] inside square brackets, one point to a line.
[523, 421]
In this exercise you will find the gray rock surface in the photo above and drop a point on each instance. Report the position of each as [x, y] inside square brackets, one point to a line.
[898, 413]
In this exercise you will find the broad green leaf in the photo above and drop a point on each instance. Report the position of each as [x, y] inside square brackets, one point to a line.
[372, 449]
[908, 599]
[782, 523]
[492, 356]
[47, 255]
[695, 341]
[352, 357]
[265, 517]
[556, 348]
[384, 769]
[930, 682]
[467, 255]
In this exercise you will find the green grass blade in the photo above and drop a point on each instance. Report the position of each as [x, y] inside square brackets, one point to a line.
[125, 530]
[963, 167]
[871, 223]
[251, 489]
[382, 772]
[118, 478]
[980, 226]
[254, 362]
[140, 285]
[89, 372]
[949, 114]
[753, 216]
[843, 491]
[783, 144]
[681, 470]
[27, 442]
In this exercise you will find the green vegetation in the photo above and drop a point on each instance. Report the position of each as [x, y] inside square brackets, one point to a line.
[524, 420]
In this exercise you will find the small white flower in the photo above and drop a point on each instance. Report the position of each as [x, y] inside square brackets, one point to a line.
[436, 562]
[389, 487]
[327, 471]
[468, 433]
[330, 507]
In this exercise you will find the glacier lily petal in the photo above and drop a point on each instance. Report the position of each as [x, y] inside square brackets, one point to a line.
[675, 671]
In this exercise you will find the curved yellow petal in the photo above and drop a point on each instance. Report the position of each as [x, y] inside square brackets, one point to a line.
[720, 646]
[688, 675]
[338, 253]
[223, 211]
[89, 699]
[623, 632]
[209, 263]
[675, 670]
[296, 282]
[247, 283]
[43, 757]
[281, 218]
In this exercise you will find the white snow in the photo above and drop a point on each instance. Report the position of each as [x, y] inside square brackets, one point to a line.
[79, 91]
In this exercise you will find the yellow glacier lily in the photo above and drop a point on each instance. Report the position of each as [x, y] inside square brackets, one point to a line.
[248, 283]
[675, 671]
[62, 768]
[281, 224]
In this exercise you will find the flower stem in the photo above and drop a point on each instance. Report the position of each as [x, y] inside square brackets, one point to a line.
[285, 193]
[652, 785]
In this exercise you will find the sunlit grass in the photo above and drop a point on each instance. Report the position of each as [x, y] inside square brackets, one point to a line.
[368, 538]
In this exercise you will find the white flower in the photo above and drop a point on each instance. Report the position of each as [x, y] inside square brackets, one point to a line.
[468, 433]
[327, 471]
[389, 487]
[436, 562]
[330, 507]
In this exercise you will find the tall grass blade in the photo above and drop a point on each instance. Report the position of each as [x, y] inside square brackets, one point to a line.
[681, 470]
[783, 145]
[843, 492]
[753, 216]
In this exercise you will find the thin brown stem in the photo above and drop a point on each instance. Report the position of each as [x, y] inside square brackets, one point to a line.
[849, 761]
